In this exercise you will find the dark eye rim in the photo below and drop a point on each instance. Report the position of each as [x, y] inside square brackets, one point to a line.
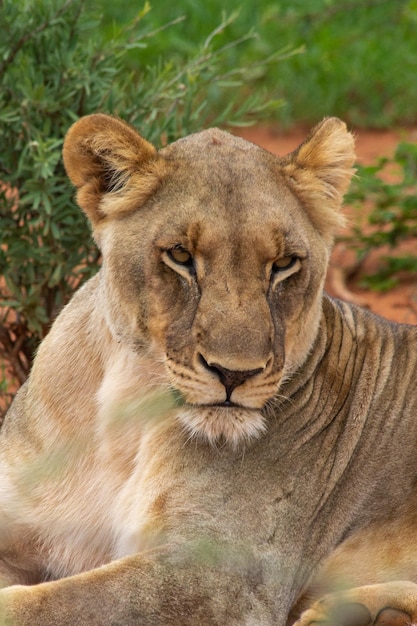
[276, 269]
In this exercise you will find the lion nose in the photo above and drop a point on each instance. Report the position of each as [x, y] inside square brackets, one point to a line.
[230, 378]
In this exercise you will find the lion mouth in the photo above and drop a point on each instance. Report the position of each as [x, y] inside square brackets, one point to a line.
[227, 404]
[224, 422]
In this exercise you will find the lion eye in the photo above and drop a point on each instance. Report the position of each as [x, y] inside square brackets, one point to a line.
[285, 263]
[180, 255]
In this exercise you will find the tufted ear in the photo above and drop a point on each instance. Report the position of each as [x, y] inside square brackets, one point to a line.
[320, 171]
[114, 169]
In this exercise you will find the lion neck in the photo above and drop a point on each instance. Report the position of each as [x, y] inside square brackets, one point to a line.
[338, 424]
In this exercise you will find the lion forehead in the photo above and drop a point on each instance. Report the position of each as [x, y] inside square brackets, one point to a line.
[212, 138]
[217, 175]
[214, 155]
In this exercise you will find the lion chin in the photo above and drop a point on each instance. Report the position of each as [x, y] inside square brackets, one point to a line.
[222, 425]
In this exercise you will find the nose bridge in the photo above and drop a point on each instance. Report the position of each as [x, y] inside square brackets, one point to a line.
[236, 333]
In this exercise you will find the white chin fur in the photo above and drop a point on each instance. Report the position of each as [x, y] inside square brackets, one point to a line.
[230, 425]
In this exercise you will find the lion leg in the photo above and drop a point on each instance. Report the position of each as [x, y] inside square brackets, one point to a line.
[140, 590]
[384, 604]
[19, 570]
[20, 562]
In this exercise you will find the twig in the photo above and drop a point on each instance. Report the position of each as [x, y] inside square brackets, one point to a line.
[30, 35]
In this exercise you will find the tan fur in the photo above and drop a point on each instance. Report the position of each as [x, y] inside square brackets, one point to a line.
[206, 438]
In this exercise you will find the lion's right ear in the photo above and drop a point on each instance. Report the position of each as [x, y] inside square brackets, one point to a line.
[114, 169]
[320, 171]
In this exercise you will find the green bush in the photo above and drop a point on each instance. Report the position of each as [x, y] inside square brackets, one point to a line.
[55, 68]
[358, 60]
[393, 218]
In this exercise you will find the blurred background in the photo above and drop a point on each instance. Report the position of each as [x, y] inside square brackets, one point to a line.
[352, 58]
[267, 70]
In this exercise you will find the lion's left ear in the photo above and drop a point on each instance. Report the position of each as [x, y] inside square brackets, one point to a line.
[320, 171]
[114, 169]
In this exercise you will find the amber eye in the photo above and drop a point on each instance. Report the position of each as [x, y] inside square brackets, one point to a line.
[181, 256]
[285, 263]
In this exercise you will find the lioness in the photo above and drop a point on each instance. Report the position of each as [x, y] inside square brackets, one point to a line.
[205, 437]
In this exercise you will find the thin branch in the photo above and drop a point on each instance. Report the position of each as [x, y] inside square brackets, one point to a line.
[11, 353]
[31, 35]
[343, 7]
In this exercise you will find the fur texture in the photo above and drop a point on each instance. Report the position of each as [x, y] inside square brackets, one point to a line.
[205, 438]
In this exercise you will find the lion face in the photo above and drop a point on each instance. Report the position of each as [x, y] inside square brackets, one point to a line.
[214, 254]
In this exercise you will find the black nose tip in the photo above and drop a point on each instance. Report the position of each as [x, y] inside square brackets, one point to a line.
[230, 378]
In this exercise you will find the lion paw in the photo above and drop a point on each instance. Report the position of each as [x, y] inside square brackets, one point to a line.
[343, 614]
[390, 604]
[353, 614]
[393, 617]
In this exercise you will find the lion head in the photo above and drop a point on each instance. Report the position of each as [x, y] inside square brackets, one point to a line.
[214, 255]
